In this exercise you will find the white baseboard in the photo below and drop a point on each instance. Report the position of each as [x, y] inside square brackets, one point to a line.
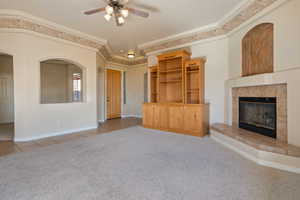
[268, 159]
[67, 132]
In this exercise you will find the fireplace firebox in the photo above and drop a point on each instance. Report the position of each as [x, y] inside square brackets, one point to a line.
[258, 115]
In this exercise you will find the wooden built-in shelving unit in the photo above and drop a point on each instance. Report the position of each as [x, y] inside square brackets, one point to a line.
[177, 95]
[154, 83]
[194, 81]
[171, 77]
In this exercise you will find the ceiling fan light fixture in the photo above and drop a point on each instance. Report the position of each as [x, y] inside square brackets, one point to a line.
[124, 12]
[109, 10]
[107, 17]
[118, 10]
[121, 20]
[131, 54]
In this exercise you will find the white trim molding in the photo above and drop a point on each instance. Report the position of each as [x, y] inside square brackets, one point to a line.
[60, 133]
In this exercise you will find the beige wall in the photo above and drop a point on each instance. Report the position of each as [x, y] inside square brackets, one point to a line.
[286, 66]
[101, 64]
[134, 91]
[216, 72]
[286, 38]
[34, 120]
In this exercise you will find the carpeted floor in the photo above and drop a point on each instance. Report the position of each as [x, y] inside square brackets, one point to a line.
[141, 164]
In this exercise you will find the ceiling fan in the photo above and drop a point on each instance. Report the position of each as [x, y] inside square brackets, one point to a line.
[119, 10]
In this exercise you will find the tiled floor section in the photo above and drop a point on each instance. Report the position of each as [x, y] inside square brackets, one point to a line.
[257, 141]
[7, 147]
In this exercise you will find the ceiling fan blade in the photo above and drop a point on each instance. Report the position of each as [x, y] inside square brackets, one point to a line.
[138, 12]
[144, 6]
[123, 1]
[90, 12]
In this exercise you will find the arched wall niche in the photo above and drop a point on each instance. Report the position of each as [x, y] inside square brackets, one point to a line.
[61, 81]
[258, 50]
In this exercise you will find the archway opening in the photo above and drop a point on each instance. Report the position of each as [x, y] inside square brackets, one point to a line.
[7, 110]
[61, 82]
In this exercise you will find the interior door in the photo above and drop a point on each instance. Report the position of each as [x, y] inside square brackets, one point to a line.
[113, 100]
[6, 99]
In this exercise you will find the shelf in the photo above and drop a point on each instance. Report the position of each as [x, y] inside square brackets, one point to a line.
[171, 81]
[192, 66]
[172, 71]
[195, 71]
[196, 90]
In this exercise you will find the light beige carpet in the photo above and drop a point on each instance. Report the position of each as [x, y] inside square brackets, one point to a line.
[141, 164]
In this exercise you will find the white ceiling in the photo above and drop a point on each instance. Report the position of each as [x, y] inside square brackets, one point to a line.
[168, 17]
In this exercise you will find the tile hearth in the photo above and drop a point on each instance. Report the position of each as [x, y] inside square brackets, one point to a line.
[257, 141]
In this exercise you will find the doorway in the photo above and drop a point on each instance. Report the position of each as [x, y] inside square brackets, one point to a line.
[113, 98]
[7, 116]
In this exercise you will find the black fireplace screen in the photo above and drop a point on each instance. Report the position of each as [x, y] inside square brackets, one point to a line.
[258, 115]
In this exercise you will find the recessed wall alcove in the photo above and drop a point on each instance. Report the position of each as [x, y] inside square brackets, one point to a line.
[257, 50]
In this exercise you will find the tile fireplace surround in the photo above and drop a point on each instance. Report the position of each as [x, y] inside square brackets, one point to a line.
[281, 153]
[279, 91]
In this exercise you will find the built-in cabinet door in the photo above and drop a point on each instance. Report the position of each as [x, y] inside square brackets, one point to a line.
[148, 115]
[192, 119]
[113, 101]
[175, 117]
[161, 117]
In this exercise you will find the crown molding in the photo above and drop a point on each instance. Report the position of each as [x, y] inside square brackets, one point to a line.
[178, 36]
[234, 12]
[31, 33]
[16, 14]
[268, 9]
[247, 9]
[121, 60]
[18, 20]
[186, 46]
[234, 19]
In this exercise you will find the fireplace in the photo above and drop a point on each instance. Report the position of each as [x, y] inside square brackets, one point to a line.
[258, 114]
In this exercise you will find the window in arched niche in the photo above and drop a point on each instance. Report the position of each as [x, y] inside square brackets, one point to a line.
[257, 50]
[61, 82]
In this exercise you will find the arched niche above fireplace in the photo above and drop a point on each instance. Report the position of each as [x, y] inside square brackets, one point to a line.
[257, 50]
